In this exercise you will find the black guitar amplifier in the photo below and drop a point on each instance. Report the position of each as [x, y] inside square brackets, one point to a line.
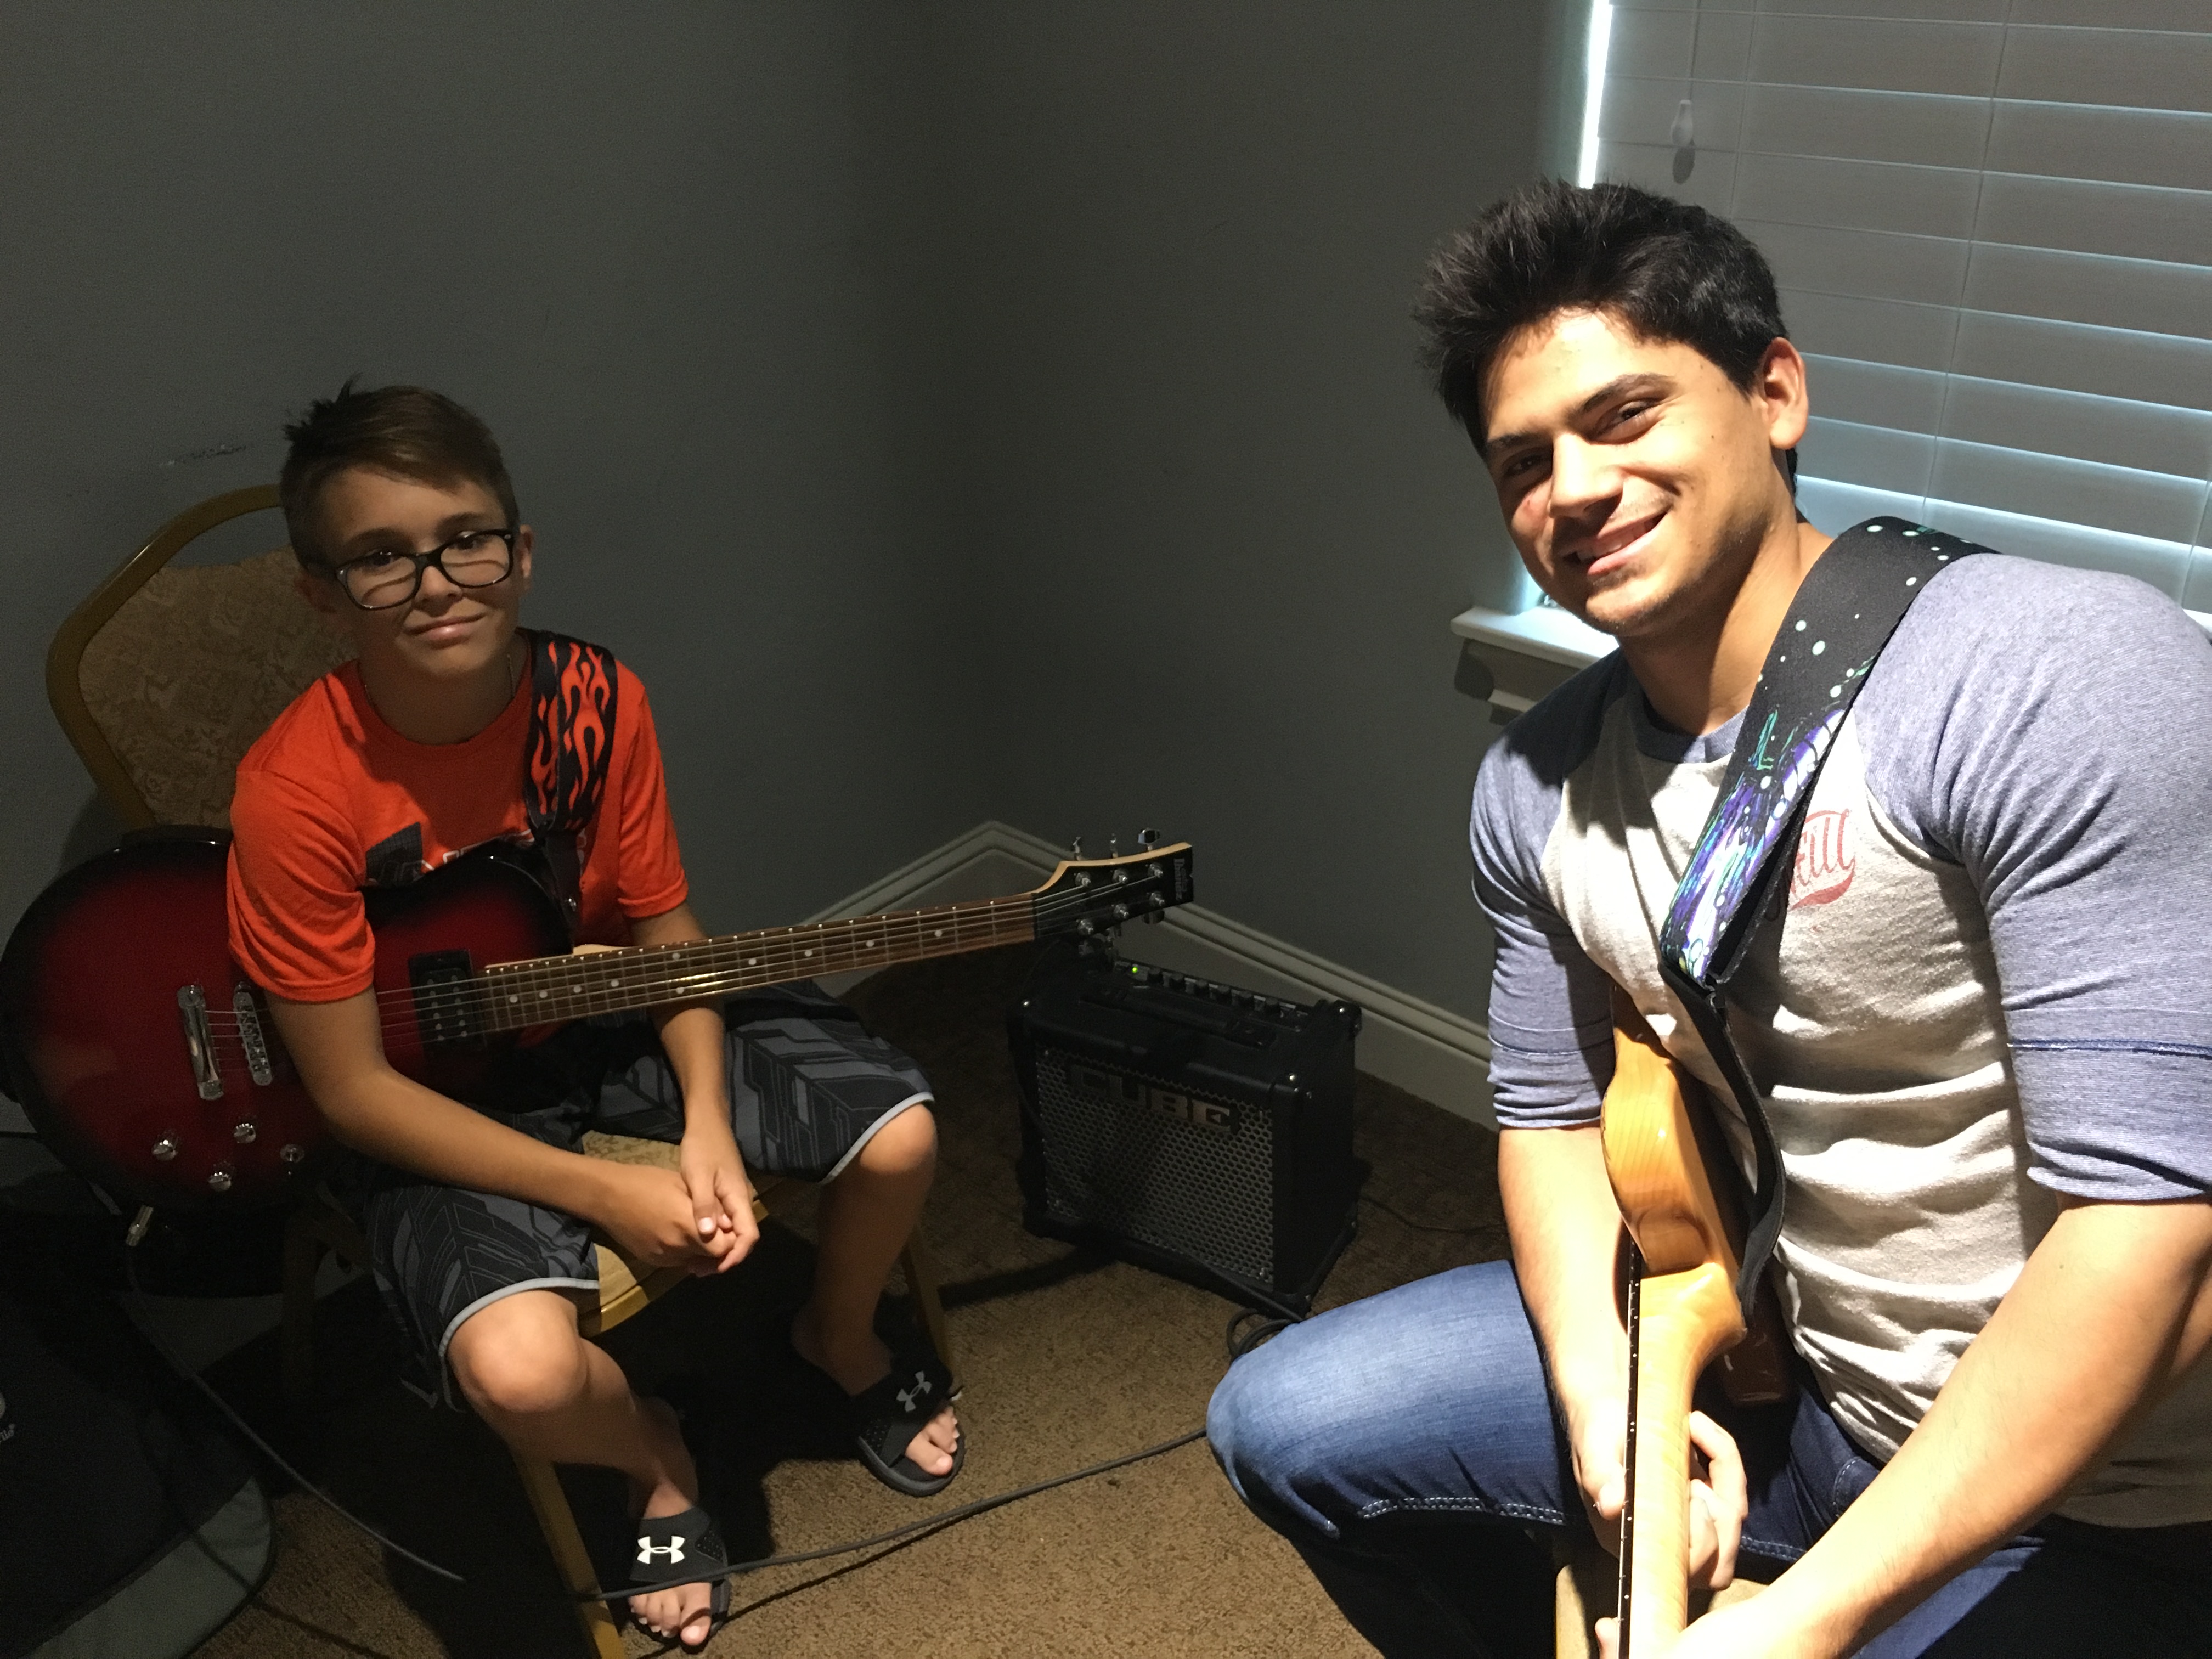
[1195, 1128]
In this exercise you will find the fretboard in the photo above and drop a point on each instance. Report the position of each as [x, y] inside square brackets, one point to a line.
[518, 994]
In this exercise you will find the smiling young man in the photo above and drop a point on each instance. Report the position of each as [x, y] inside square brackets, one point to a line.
[479, 1214]
[1978, 1025]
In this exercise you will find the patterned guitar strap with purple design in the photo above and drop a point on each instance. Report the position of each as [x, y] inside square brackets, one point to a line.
[572, 728]
[1844, 614]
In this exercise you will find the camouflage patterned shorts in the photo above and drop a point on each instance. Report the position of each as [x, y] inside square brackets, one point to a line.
[809, 1087]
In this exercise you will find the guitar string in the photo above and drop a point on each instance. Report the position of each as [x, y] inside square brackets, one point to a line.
[227, 1044]
[711, 970]
[601, 982]
[777, 948]
[603, 972]
[678, 969]
[768, 952]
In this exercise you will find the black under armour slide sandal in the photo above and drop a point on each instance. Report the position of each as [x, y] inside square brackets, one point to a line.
[887, 1417]
[682, 1549]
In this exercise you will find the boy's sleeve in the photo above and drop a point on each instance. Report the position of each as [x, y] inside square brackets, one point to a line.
[649, 876]
[297, 923]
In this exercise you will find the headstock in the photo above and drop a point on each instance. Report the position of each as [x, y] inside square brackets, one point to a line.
[1088, 896]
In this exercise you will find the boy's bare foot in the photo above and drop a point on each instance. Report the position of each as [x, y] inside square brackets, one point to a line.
[684, 1612]
[855, 1367]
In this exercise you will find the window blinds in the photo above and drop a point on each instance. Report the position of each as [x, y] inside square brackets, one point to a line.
[1991, 224]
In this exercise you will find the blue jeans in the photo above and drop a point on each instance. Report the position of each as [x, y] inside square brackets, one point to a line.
[1408, 1446]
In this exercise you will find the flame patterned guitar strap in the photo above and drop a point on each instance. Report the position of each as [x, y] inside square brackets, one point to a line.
[572, 728]
[1844, 614]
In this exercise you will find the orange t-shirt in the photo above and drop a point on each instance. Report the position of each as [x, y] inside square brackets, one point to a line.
[331, 800]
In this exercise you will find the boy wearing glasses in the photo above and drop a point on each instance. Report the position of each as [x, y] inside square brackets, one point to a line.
[404, 523]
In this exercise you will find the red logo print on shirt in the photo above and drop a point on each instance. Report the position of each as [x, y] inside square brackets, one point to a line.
[1825, 863]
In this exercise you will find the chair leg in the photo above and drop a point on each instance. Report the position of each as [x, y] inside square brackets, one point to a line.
[921, 1269]
[558, 1522]
[303, 1255]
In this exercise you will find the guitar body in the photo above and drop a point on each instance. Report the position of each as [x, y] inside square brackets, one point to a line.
[102, 1055]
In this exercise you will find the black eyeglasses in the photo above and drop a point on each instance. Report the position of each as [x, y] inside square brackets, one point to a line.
[389, 578]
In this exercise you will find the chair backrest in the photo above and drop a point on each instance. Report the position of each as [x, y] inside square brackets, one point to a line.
[163, 678]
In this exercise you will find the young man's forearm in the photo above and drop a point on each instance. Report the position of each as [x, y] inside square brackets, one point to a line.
[2110, 1311]
[1566, 1231]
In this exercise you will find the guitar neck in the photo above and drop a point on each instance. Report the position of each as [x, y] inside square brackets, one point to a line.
[551, 988]
[1682, 1320]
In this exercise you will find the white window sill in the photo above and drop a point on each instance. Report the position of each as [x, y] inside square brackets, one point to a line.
[1542, 633]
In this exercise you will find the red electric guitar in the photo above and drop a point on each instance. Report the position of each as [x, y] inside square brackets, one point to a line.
[147, 1062]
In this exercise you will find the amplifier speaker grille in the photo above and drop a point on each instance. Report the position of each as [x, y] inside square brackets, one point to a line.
[1143, 1157]
[1195, 1128]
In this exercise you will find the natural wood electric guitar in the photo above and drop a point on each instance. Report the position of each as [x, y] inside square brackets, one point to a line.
[1683, 1313]
[146, 1059]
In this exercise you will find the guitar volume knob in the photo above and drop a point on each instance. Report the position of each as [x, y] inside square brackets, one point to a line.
[291, 1153]
[219, 1181]
[165, 1149]
[243, 1133]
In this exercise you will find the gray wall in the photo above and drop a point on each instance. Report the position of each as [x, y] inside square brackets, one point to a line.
[648, 243]
[1224, 525]
[952, 412]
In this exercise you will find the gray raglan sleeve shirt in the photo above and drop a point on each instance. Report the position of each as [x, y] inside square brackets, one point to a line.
[2048, 731]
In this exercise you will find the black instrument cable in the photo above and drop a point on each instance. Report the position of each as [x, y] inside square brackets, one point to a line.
[1239, 1342]
[148, 1329]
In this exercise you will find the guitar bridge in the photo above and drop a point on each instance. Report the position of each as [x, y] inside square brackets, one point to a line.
[251, 1035]
[444, 1011]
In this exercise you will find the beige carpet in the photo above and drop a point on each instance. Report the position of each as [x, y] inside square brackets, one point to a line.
[1065, 1362]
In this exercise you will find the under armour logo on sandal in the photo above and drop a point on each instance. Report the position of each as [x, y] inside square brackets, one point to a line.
[646, 1549]
[908, 1396]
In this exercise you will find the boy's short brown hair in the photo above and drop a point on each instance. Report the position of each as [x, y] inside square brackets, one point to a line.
[408, 431]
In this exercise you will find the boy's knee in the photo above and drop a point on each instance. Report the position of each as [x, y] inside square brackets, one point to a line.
[518, 1366]
[902, 1147]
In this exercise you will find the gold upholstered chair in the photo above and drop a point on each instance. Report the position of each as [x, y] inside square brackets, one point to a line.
[161, 679]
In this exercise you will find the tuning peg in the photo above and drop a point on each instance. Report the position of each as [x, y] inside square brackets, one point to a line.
[1113, 847]
[1147, 839]
[1075, 847]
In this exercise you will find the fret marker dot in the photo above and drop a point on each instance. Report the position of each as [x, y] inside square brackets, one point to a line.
[752, 961]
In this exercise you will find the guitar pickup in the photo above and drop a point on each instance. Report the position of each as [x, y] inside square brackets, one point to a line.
[445, 1011]
[199, 1042]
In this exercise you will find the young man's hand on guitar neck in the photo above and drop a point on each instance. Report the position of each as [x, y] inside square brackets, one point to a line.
[1565, 1227]
[2113, 1307]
